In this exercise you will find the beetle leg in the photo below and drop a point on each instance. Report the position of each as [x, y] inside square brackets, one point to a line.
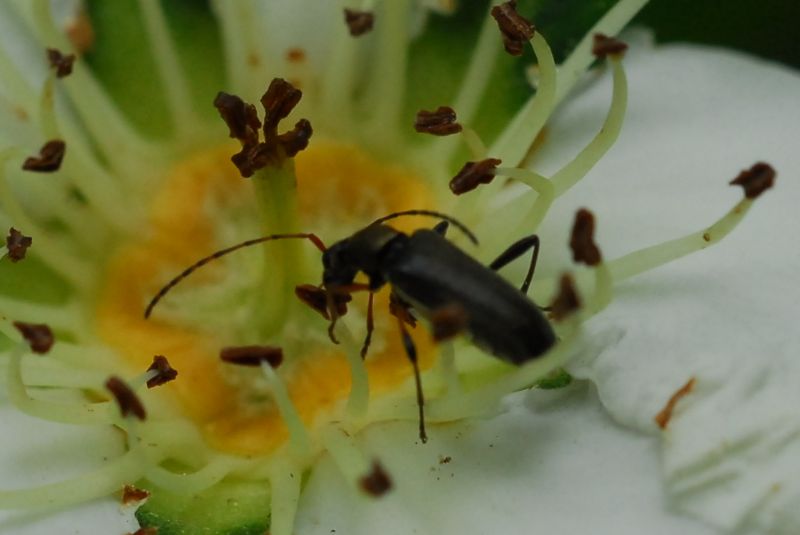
[411, 351]
[370, 327]
[514, 251]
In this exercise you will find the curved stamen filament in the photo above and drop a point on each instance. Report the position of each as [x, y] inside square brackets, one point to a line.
[298, 435]
[82, 414]
[517, 138]
[285, 481]
[658, 255]
[345, 454]
[570, 174]
[193, 483]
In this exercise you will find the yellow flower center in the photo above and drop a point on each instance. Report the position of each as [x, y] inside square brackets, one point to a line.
[336, 182]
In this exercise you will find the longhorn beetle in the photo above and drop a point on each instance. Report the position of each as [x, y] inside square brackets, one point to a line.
[428, 273]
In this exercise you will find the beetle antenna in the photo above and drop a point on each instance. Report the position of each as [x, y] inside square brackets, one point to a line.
[222, 252]
[461, 226]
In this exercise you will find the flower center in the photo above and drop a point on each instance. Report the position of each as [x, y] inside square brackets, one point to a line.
[203, 205]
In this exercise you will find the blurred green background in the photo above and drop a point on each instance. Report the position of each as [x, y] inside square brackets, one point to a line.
[768, 28]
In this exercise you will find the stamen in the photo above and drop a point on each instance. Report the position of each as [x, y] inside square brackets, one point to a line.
[38, 335]
[377, 482]
[756, 180]
[584, 249]
[133, 495]
[657, 255]
[252, 355]
[442, 122]
[17, 244]
[160, 372]
[448, 322]
[584, 161]
[566, 301]
[195, 482]
[61, 63]
[127, 400]
[664, 416]
[285, 480]
[447, 368]
[473, 174]
[100, 483]
[345, 454]
[358, 22]
[298, 436]
[317, 298]
[516, 30]
[604, 46]
[50, 156]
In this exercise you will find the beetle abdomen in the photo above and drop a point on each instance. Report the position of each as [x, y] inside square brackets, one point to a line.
[430, 272]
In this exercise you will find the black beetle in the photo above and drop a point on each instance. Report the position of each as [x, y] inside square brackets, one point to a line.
[428, 273]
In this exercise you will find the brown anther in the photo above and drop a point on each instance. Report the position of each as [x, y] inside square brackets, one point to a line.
[516, 30]
[296, 139]
[755, 180]
[358, 22]
[38, 335]
[61, 63]
[279, 100]
[252, 355]
[131, 494]
[296, 55]
[317, 298]
[607, 46]
[50, 157]
[567, 300]
[442, 122]
[399, 309]
[17, 244]
[128, 401]
[80, 31]
[164, 372]
[241, 118]
[377, 482]
[474, 174]
[665, 415]
[448, 322]
[582, 239]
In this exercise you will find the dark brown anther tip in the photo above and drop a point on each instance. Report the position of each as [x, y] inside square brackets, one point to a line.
[474, 174]
[607, 46]
[50, 157]
[17, 244]
[317, 298]
[582, 242]
[164, 372]
[665, 415]
[567, 300]
[128, 401]
[359, 22]
[448, 322]
[145, 531]
[241, 118]
[279, 100]
[442, 122]
[38, 335]
[756, 180]
[516, 29]
[131, 494]
[296, 139]
[377, 482]
[252, 355]
[59, 62]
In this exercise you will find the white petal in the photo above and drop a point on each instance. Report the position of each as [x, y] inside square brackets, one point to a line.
[726, 316]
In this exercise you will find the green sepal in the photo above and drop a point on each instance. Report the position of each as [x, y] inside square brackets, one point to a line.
[232, 507]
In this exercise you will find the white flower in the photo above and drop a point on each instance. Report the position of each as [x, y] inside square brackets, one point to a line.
[554, 460]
